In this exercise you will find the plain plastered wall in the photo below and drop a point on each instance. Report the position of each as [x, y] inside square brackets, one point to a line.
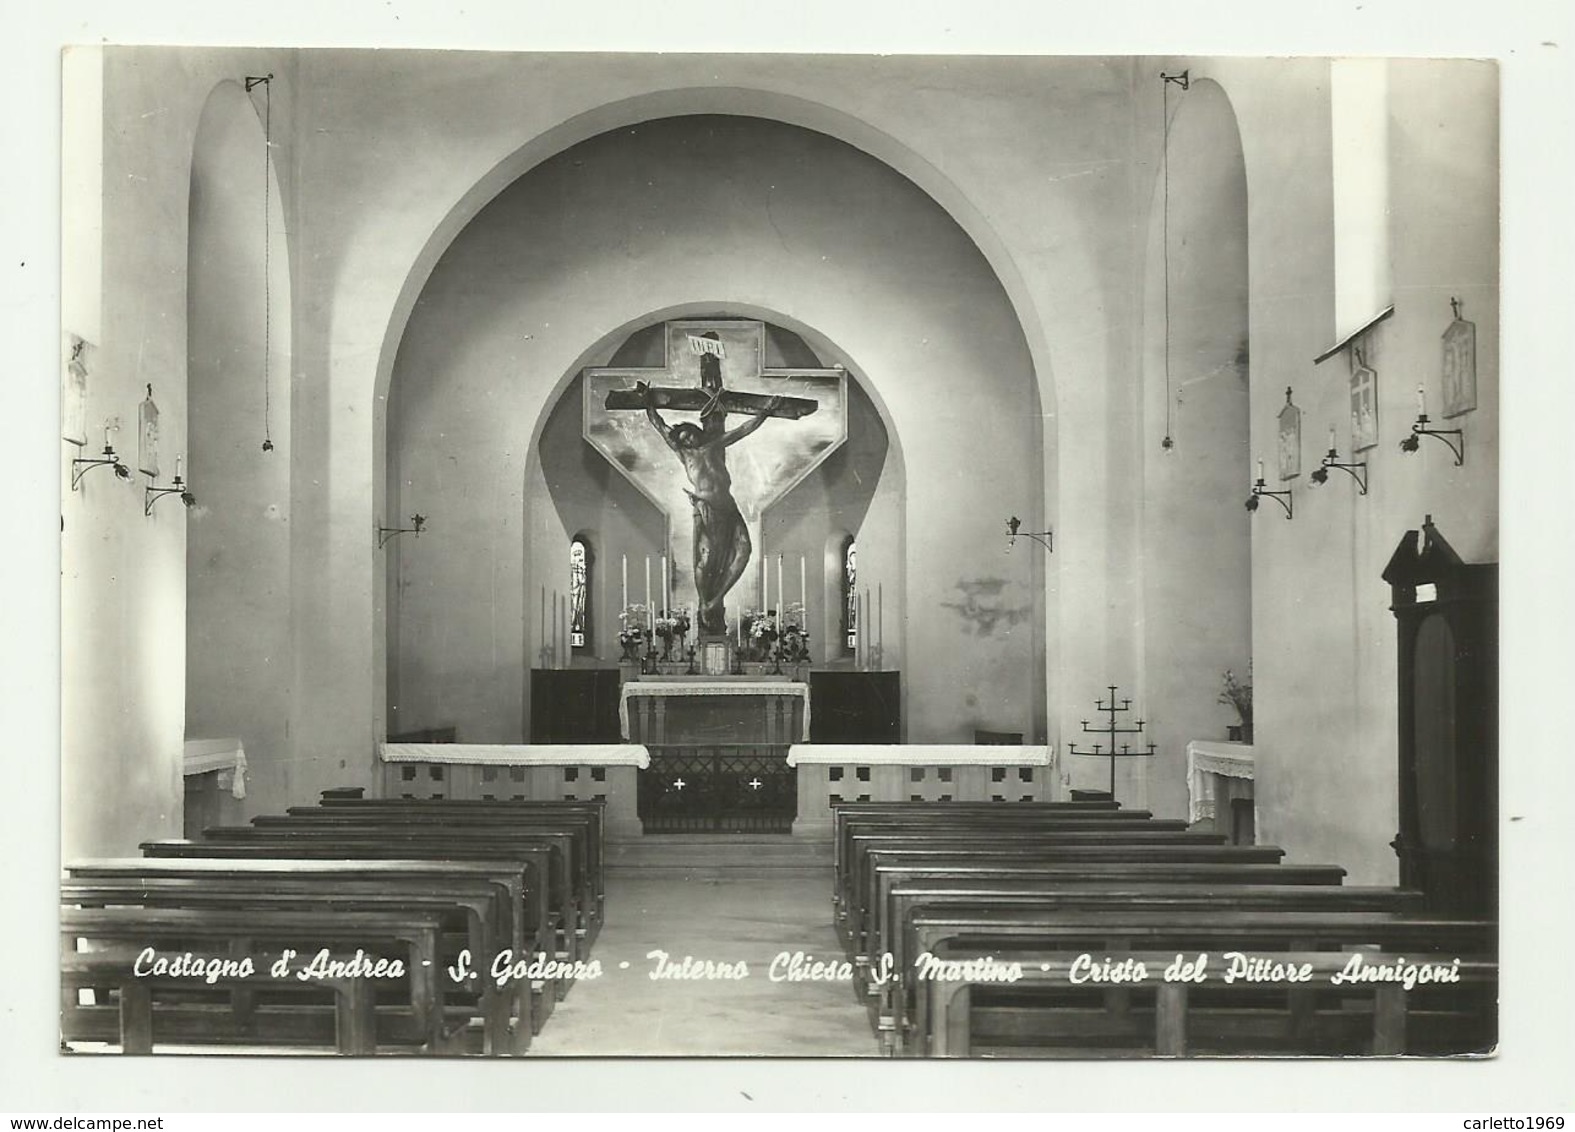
[1323, 637]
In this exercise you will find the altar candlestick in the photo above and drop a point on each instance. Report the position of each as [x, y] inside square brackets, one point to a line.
[781, 605]
[664, 586]
[803, 594]
[647, 583]
[625, 604]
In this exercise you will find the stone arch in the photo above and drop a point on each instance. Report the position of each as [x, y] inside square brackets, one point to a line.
[1029, 410]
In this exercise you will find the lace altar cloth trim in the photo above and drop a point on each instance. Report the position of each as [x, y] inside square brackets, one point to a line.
[1205, 759]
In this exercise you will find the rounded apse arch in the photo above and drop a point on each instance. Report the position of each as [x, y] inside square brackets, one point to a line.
[872, 270]
[734, 102]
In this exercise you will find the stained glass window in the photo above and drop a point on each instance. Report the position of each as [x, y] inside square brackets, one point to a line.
[850, 600]
[579, 593]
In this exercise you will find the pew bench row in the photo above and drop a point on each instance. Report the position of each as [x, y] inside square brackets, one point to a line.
[481, 920]
[970, 890]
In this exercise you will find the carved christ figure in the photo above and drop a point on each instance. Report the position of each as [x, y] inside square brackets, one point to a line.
[721, 537]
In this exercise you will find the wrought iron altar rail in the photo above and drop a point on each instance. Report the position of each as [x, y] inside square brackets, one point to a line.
[718, 788]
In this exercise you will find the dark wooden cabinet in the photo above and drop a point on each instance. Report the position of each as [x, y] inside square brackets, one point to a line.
[855, 707]
[574, 705]
[1446, 614]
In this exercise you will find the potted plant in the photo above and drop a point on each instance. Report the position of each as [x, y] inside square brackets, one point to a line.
[1238, 694]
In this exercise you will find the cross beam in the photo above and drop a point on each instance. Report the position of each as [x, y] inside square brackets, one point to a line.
[698, 400]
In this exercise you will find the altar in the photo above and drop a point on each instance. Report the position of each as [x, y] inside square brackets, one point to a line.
[718, 751]
[714, 710]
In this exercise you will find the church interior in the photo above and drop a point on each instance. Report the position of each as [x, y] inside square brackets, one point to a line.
[1132, 551]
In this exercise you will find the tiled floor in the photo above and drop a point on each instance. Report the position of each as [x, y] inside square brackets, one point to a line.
[732, 916]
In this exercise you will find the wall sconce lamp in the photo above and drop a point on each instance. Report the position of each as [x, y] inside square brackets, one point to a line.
[152, 495]
[387, 534]
[1045, 539]
[1331, 459]
[81, 466]
[1419, 429]
[1260, 490]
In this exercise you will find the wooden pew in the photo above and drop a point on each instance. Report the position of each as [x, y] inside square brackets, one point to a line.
[477, 905]
[517, 884]
[1384, 1014]
[860, 840]
[568, 884]
[588, 852]
[546, 905]
[921, 915]
[517, 809]
[923, 814]
[1009, 934]
[102, 946]
[864, 907]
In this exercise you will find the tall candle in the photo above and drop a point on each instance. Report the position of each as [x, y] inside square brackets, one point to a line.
[803, 594]
[781, 601]
[1260, 469]
[1331, 438]
[1421, 401]
[625, 604]
[647, 583]
[177, 469]
[664, 586]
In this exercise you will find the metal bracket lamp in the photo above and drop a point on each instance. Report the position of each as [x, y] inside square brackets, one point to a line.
[81, 466]
[387, 534]
[1045, 539]
[1419, 429]
[152, 495]
[1331, 459]
[1260, 490]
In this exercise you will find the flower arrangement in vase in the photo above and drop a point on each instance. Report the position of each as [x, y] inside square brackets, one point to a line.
[1238, 694]
[632, 631]
[759, 635]
[673, 627]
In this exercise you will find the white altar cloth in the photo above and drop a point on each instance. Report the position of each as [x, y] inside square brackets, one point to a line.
[204, 755]
[1205, 759]
[916, 754]
[537, 754]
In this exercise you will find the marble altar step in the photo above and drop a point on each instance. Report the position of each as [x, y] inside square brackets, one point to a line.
[708, 855]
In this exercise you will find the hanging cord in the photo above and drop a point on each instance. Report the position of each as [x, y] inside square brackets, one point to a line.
[267, 83]
[1164, 132]
[1164, 126]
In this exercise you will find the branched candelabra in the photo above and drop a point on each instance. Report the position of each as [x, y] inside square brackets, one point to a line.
[1112, 709]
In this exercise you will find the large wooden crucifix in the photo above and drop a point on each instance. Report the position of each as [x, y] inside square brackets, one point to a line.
[716, 505]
